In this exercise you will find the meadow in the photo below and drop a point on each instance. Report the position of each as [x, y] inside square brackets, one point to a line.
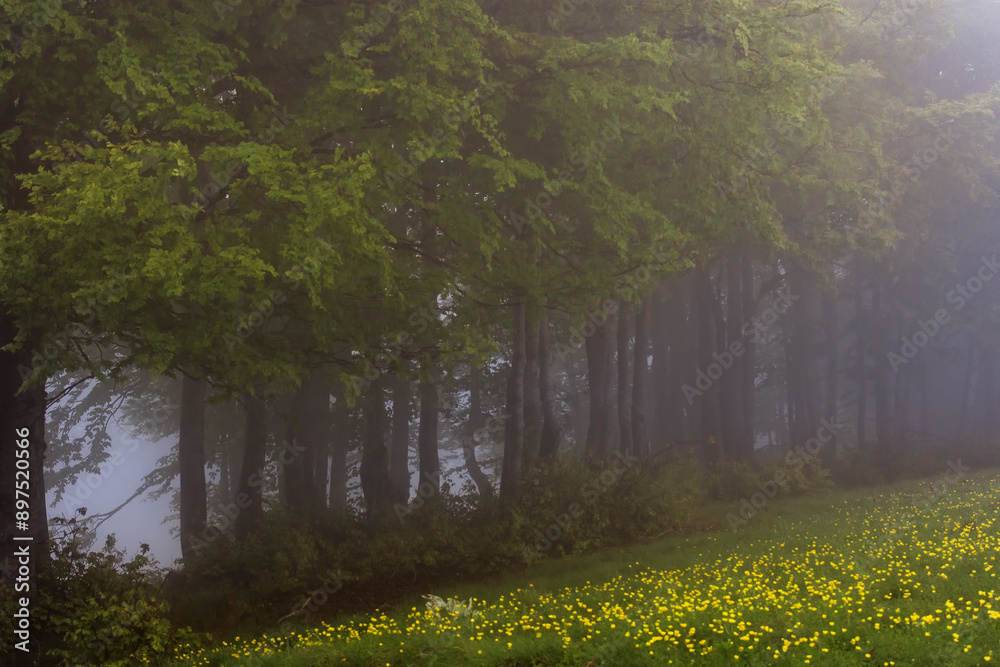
[902, 575]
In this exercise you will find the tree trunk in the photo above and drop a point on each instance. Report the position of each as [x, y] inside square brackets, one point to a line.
[803, 386]
[532, 391]
[427, 433]
[551, 430]
[861, 338]
[251, 483]
[510, 479]
[662, 371]
[708, 402]
[191, 462]
[625, 443]
[375, 483]
[685, 340]
[739, 444]
[885, 409]
[338, 460]
[988, 374]
[640, 435]
[477, 419]
[971, 366]
[600, 359]
[748, 362]
[307, 432]
[831, 331]
[399, 447]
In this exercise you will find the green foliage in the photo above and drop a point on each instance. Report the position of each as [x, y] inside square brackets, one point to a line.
[447, 537]
[734, 480]
[809, 477]
[731, 480]
[859, 468]
[101, 607]
[117, 632]
[229, 582]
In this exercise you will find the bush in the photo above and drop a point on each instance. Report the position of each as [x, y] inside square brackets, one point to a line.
[230, 582]
[859, 468]
[731, 480]
[809, 477]
[287, 568]
[97, 607]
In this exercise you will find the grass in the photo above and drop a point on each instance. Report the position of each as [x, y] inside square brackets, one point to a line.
[890, 577]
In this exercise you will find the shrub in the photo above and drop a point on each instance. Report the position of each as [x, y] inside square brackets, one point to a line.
[279, 571]
[230, 582]
[731, 480]
[98, 607]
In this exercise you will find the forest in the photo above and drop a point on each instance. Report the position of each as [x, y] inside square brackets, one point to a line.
[425, 292]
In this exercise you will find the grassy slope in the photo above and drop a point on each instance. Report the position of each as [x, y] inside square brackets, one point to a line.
[846, 578]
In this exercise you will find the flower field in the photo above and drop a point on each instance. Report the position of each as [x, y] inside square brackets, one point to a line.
[901, 578]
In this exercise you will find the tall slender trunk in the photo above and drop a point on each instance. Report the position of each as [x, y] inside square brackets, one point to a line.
[748, 361]
[510, 479]
[532, 390]
[685, 340]
[901, 426]
[803, 386]
[708, 402]
[626, 443]
[737, 440]
[640, 434]
[861, 338]
[791, 385]
[964, 427]
[307, 432]
[427, 433]
[831, 329]
[191, 462]
[925, 407]
[375, 483]
[988, 374]
[885, 409]
[399, 446]
[251, 482]
[600, 362]
[662, 421]
[477, 419]
[338, 460]
[551, 430]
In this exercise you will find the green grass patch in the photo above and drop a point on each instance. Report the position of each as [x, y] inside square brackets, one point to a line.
[894, 576]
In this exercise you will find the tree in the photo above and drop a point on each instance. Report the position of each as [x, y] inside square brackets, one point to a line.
[191, 463]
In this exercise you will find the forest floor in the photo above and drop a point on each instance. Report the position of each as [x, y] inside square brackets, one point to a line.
[903, 574]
